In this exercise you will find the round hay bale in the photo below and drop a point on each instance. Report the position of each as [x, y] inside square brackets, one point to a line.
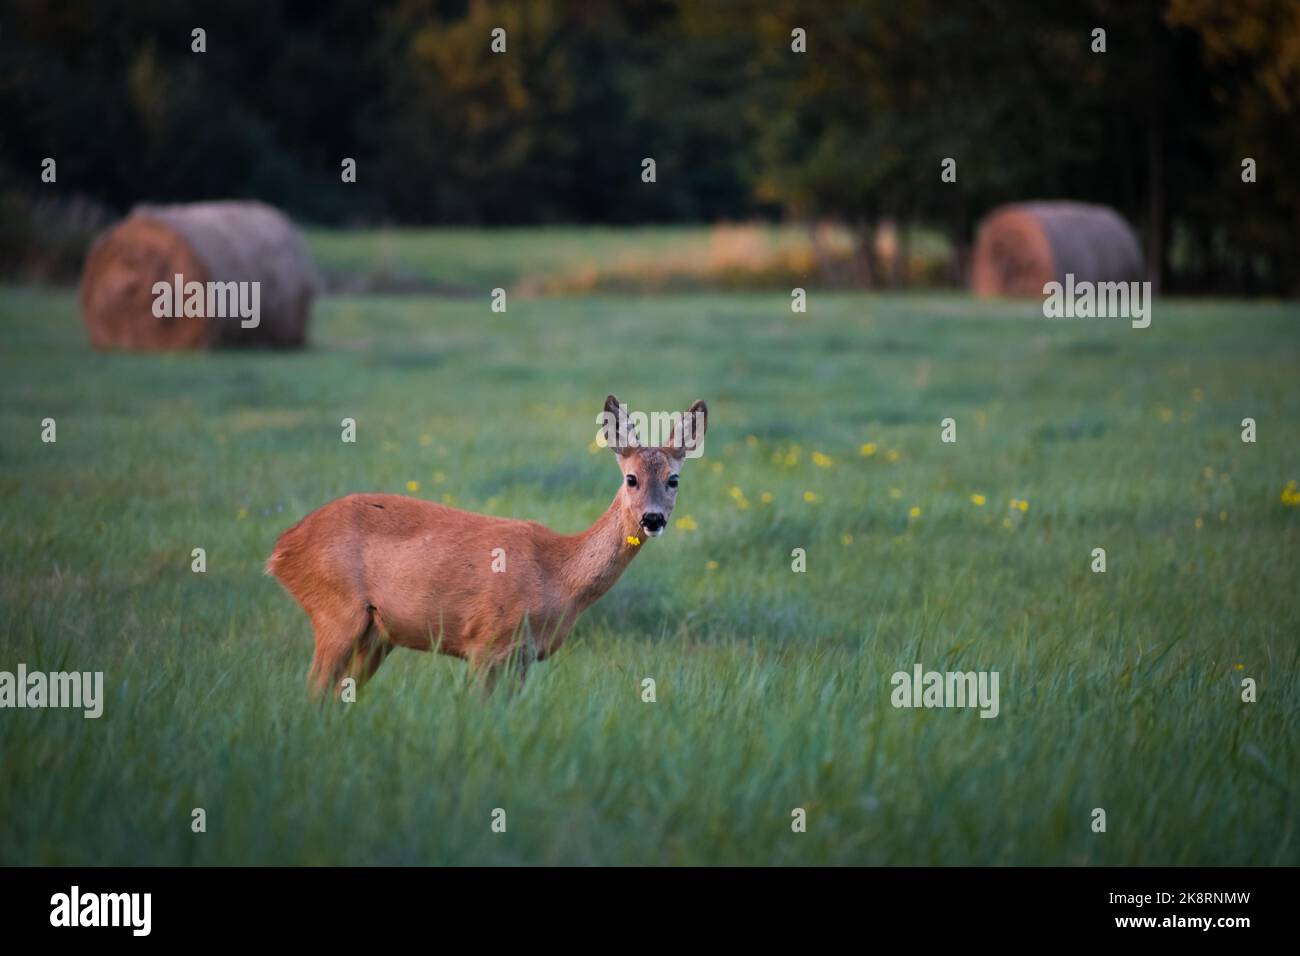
[1021, 247]
[207, 243]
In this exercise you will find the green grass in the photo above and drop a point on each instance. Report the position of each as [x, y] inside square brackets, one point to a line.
[1118, 690]
[479, 260]
[464, 261]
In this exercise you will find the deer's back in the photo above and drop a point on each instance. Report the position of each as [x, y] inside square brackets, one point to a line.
[425, 568]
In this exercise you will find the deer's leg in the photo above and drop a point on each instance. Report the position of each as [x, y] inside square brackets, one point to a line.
[513, 658]
[485, 667]
[367, 655]
[338, 636]
[524, 658]
[489, 674]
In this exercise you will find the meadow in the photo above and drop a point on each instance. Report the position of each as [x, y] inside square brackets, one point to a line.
[1119, 690]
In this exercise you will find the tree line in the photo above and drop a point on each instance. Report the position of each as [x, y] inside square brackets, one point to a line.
[813, 109]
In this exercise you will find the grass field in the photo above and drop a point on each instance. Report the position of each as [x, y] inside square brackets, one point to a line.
[1119, 690]
[472, 262]
[478, 260]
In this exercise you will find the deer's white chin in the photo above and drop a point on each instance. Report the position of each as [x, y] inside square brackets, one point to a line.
[654, 534]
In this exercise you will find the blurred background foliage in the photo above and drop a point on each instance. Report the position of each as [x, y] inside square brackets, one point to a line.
[852, 133]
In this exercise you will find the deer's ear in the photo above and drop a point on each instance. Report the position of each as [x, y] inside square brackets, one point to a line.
[699, 415]
[616, 427]
[694, 423]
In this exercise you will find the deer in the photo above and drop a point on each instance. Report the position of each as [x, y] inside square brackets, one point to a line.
[374, 572]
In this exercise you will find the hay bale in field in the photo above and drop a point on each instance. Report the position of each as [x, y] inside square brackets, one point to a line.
[1022, 246]
[213, 244]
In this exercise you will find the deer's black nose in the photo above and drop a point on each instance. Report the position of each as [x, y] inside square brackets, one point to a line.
[653, 521]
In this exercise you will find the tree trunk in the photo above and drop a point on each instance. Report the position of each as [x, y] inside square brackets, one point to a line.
[864, 230]
[1155, 200]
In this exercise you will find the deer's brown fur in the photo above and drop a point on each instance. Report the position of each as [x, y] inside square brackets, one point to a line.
[378, 571]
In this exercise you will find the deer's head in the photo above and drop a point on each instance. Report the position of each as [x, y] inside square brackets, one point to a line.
[651, 473]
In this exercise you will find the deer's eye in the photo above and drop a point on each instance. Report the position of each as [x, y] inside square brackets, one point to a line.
[672, 481]
[631, 481]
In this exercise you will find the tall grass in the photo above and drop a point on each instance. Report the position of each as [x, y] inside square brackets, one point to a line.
[1119, 690]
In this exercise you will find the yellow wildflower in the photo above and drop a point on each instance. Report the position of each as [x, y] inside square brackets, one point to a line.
[821, 461]
[893, 456]
[867, 450]
[766, 497]
[915, 512]
[634, 541]
[412, 486]
[811, 497]
[712, 565]
[687, 523]
[978, 500]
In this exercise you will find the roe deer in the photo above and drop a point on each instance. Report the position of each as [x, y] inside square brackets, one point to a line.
[378, 571]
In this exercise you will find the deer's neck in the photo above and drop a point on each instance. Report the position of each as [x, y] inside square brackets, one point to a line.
[595, 558]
